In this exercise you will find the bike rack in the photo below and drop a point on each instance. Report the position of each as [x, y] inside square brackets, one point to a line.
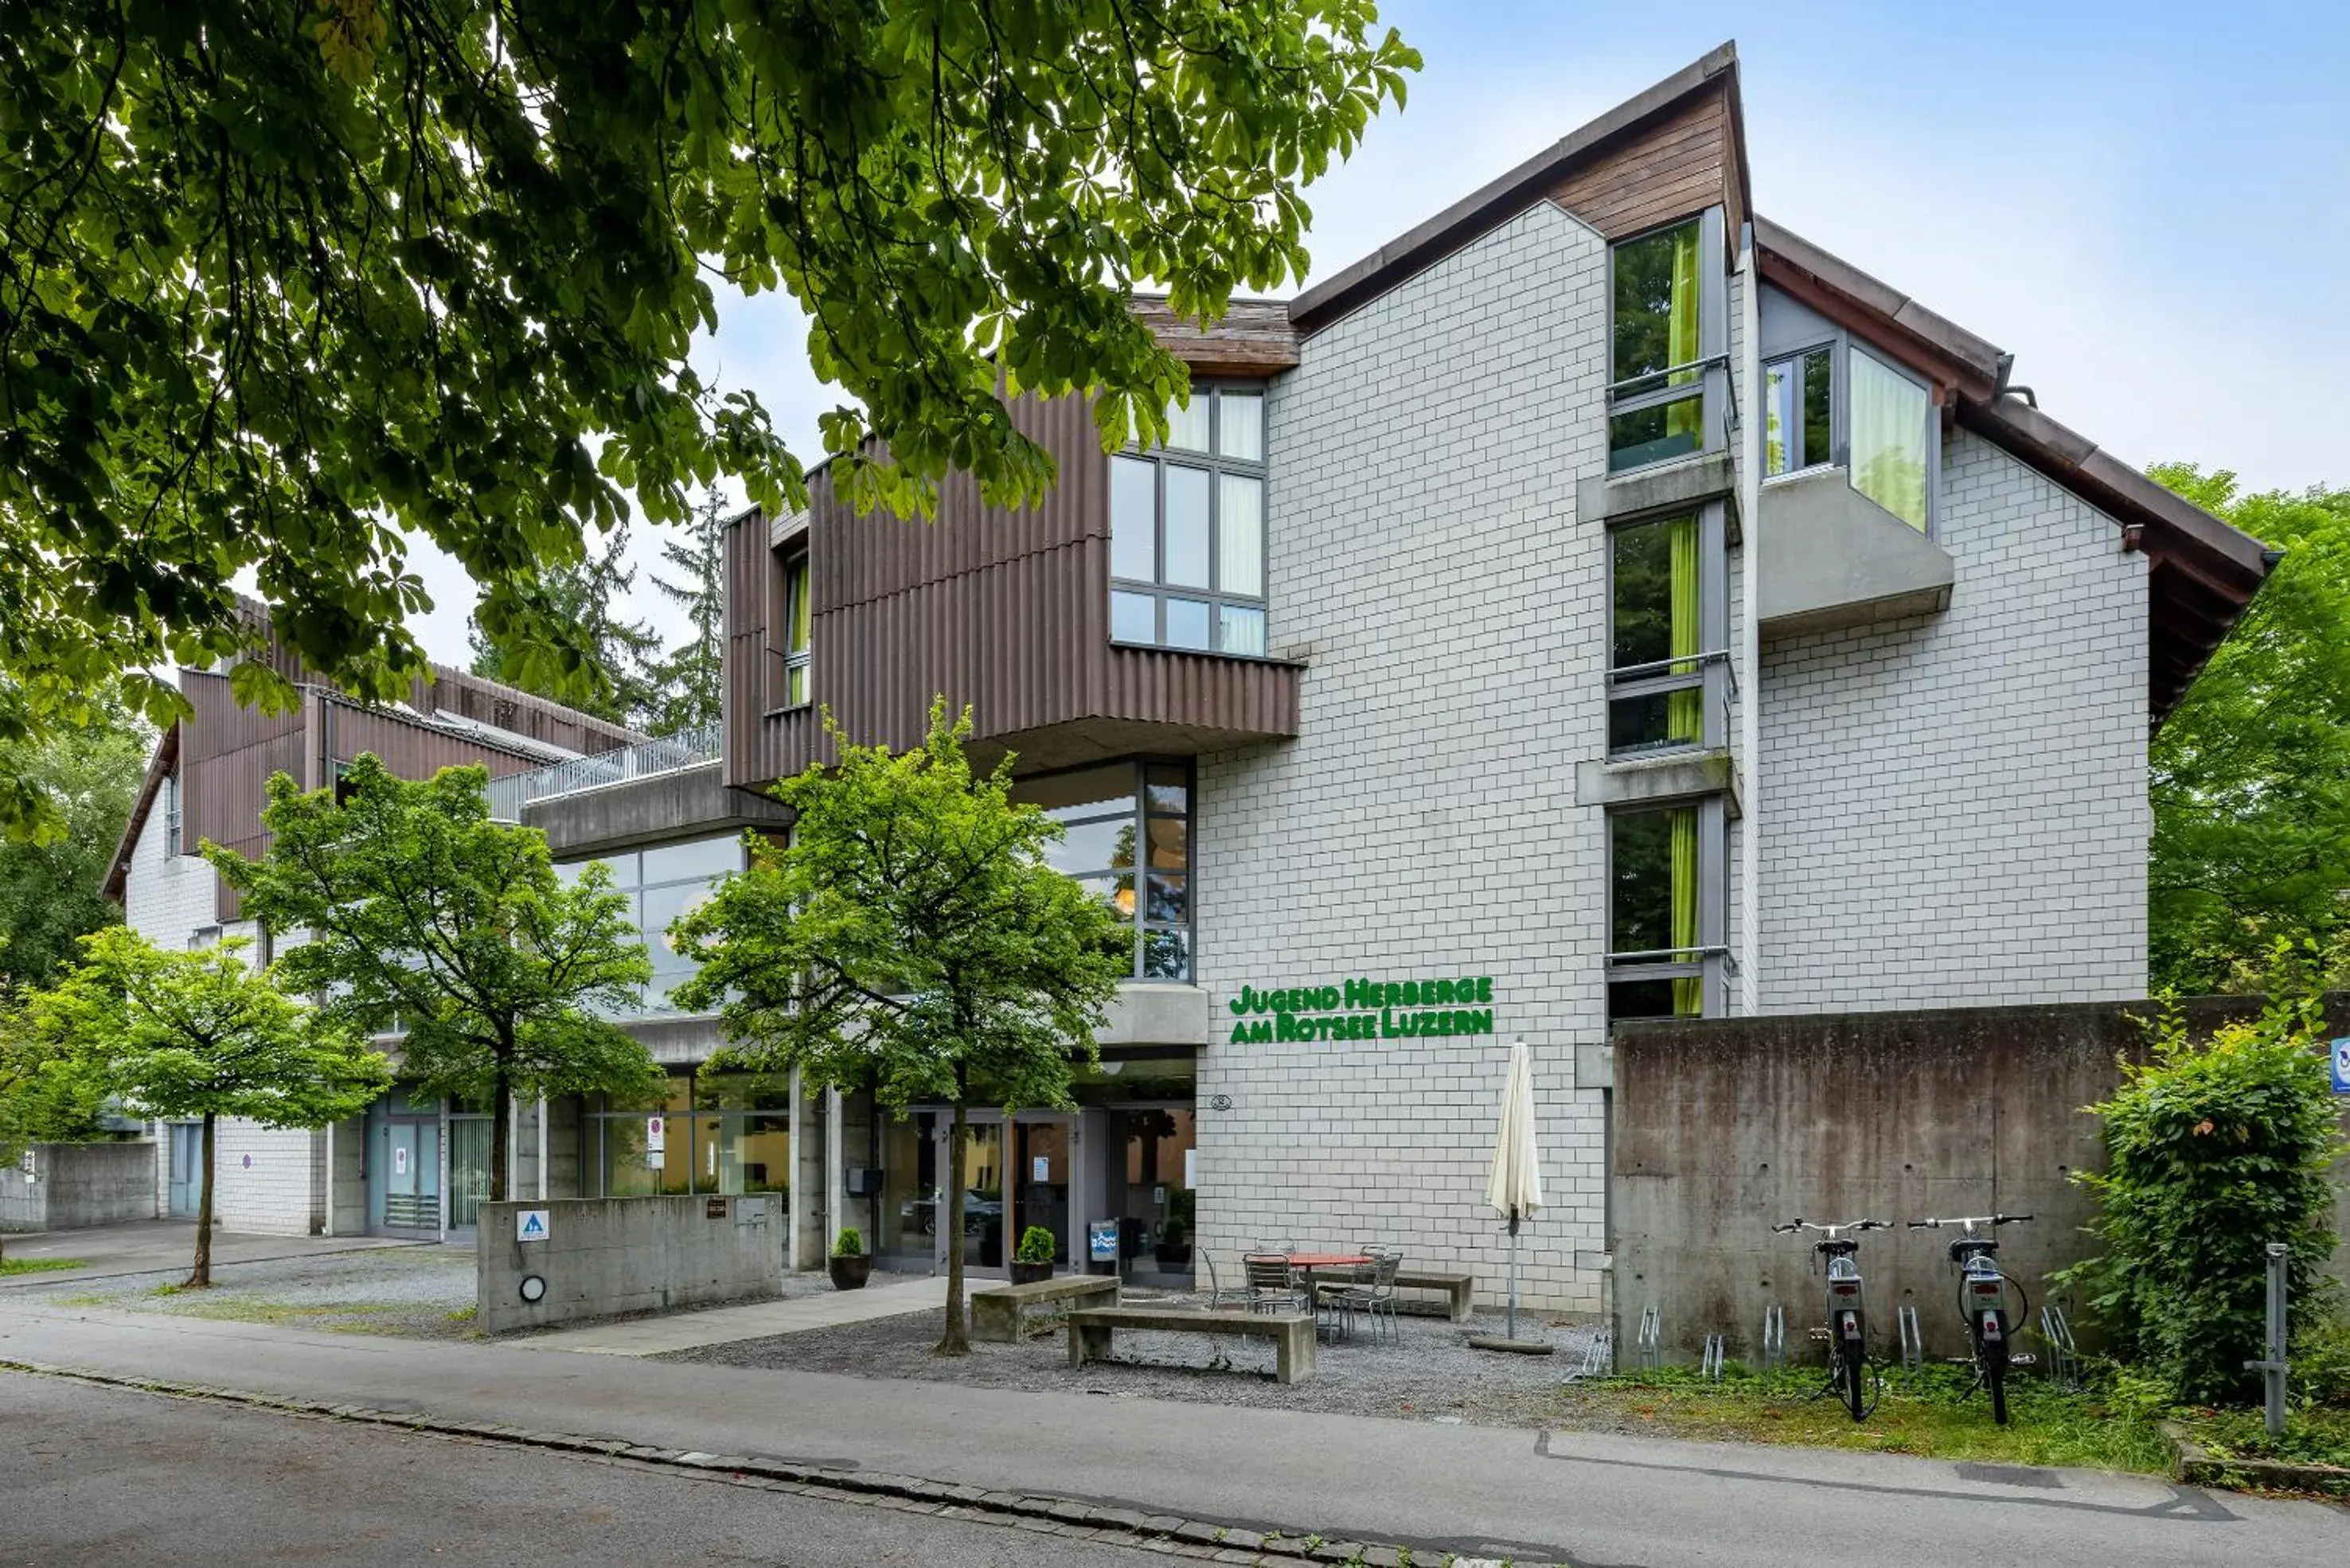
[1913, 1339]
[1652, 1343]
[2063, 1355]
[1714, 1357]
[1598, 1357]
[1774, 1339]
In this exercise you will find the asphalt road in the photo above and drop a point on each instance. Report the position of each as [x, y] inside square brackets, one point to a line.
[101, 1476]
[1589, 1498]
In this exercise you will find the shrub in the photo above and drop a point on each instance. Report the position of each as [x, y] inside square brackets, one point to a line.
[849, 1243]
[2214, 1150]
[1035, 1246]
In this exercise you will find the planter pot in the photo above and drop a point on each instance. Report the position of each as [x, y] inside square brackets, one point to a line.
[849, 1274]
[1029, 1274]
[1175, 1256]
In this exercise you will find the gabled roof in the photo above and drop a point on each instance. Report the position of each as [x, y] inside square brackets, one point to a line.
[1542, 175]
[2204, 571]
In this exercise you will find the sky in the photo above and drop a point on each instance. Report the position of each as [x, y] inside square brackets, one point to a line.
[2140, 202]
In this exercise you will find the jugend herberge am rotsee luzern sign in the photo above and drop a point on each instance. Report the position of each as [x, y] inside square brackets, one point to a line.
[1365, 1009]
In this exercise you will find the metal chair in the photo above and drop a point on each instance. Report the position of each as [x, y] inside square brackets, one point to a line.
[1274, 1284]
[1372, 1291]
[1220, 1295]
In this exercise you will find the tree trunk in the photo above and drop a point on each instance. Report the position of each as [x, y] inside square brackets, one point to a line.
[202, 1279]
[501, 1115]
[958, 1340]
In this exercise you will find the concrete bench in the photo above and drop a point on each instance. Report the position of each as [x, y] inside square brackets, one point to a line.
[1092, 1328]
[995, 1312]
[1458, 1289]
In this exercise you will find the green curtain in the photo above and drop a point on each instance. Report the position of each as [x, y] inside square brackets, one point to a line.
[1689, 995]
[1681, 338]
[1684, 709]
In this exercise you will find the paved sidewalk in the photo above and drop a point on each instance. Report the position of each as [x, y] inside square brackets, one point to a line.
[1478, 1491]
[160, 1246]
[884, 1297]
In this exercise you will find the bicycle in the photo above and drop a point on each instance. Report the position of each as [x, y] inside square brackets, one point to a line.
[1982, 1302]
[1838, 1255]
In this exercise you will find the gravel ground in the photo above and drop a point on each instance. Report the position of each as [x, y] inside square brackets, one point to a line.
[1429, 1373]
[419, 1292]
[415, 1293]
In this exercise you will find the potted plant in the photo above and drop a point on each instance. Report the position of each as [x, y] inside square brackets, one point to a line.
[1175, 1246]
[848, 1265]
[1034, 1260]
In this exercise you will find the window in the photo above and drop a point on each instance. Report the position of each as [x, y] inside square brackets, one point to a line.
[1888, 419]
[661, 884]
[1666, 870]
[1839, 403]
[1667, 306]
[172, 845]
[1187, 529]
[1127, 838]
[1797, 420]
[1669, 680]
[797, 607]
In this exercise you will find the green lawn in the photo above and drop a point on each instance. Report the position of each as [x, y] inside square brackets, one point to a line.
[2310, 1437]
[35, 1265]
[1927, 1414]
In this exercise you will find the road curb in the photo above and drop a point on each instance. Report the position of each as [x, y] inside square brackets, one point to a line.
[2196, 1465]
[1199, 1540]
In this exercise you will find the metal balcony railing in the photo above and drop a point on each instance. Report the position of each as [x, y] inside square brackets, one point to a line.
[685, 749]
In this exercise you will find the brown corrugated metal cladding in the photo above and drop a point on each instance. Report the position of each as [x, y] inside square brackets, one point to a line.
[1007, 612]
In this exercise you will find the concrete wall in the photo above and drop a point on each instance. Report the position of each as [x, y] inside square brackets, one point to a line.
[1954, 805]
[1426, 559]
[605, 1256]
[685, 802]
[1724, 1129]
[78, 1184]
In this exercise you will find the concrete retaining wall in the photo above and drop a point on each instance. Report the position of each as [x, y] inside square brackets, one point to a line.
[605, 1256]
[78, 1184]
[1724, 1129]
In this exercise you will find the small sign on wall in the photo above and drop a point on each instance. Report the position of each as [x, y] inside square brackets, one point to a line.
[530, 1225]
[1101, 1240]
[2341, 1067]
[399, 1161]
[656, 1135]
[32, 1164]
[1041, 1169]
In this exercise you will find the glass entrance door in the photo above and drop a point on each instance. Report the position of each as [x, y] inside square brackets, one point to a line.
[983, 1244]
[187, 1167]
[469, 1169]
[409, 1154]
[1040, 1175]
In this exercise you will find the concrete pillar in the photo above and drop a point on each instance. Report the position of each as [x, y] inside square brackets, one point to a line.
[835, 1177]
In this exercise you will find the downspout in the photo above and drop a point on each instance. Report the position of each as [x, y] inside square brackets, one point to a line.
[1750, 639]
[541, 1194]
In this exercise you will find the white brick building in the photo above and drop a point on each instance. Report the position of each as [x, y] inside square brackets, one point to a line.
[1600, 597]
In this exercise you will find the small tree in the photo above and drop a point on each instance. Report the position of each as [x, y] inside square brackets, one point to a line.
[422, 916]
[2213, 1150]
[44, 1097]
[912, 938]
[203, 1035]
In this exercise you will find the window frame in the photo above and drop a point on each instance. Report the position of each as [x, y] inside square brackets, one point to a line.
[1712, 676]
[1710, 962]
[175, 826]
[1832, 347]
[1839, 346]
[1213, 464]
[795, 570]
[1713, 389]
[1140, 814]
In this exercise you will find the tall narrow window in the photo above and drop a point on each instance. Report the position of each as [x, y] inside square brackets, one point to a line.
[172, 845]
[1888, 418]
[1187, 529]
[1656, 390]
[1667, 610]
[1657, 951]
[1797, 412]
[799, 621]
[1127, 839]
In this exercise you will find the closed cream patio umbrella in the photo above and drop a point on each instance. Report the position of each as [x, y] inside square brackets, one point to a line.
[1514, 1185]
